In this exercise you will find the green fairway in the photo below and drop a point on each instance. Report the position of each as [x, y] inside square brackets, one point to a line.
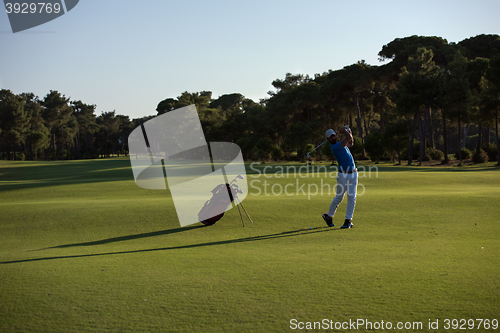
[83, 249]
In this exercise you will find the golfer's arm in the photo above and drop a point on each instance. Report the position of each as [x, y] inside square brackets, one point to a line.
[349, 145]
[347, 140]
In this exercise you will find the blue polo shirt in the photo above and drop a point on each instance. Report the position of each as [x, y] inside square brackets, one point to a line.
[343, 157]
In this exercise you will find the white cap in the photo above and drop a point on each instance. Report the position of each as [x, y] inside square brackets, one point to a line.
[329, 133]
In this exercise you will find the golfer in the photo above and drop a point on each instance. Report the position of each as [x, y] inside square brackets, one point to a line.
[347, 177]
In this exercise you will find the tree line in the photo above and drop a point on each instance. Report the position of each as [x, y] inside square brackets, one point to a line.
[56, 128]
[432, 99]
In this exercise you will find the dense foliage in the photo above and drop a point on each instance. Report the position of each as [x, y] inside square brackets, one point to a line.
[429, 99]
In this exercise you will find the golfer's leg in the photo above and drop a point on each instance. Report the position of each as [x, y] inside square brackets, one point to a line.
[341, 189]
[352, 187]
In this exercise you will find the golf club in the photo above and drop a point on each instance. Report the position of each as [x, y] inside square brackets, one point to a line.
[316, 148]
[236, 179]
[238, 190]
[241, 216]
[241, 204]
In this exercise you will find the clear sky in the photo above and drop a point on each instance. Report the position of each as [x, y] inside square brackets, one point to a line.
[128, 55]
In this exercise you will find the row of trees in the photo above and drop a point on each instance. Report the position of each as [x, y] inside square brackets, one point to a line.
[431, 97]
[432, 92]
[56, 128]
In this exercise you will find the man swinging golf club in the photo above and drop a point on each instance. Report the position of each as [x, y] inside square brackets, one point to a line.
[347, 177]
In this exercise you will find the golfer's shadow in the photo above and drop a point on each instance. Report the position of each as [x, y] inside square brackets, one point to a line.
[176, 230]
[126, 238]
[293, 233]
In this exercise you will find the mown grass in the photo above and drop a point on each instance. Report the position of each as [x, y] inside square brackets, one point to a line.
[83, 249]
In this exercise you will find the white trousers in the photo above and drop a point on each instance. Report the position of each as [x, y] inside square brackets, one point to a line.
[347, 183]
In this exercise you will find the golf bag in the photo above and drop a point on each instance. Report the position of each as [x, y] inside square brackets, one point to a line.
[214, 209]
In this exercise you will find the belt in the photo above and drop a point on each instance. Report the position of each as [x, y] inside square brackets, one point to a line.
[353, 171]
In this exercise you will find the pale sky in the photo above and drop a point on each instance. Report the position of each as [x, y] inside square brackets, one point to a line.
[127, 55]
